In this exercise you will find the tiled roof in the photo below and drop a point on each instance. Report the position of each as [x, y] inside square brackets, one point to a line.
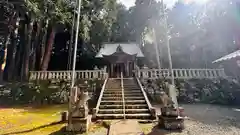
[109, 49]
[228, 57]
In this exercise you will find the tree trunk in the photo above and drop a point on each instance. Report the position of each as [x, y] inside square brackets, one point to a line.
[23, 51]
[33, 47]
[48, 50]
[8, 72]
[20, 52]
[6, 42]
[27, 51]
[38, 44]
[43, 44]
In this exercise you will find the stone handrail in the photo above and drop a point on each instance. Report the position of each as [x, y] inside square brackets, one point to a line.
[81, 74]
[100, 96]
[123, 97]
[152, 110]
[181, 73]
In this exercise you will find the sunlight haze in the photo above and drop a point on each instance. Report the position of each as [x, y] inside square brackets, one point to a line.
[129, 3]
[169, 3]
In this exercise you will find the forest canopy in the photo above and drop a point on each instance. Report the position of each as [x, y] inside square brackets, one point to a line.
[36, 34]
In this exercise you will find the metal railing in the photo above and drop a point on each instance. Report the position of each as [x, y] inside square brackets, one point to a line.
[123, 97]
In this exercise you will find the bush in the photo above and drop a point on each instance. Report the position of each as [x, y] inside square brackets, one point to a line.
[219, 91]
[43, 92]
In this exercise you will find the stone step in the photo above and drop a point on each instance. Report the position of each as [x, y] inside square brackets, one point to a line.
[112, 98]
[111, 103]
[133, 94]
[126, 90]
[121, 116]
[130, 102]
[130, 85]
[134, 98]
[126, 101]
[120, 111]
[119, 102]
[110, 111]
[131, 88]
[113, 89]
[132, 91]
[116, 92]
[120, 94]
[112, 95]
[138, 106]
[126, 98]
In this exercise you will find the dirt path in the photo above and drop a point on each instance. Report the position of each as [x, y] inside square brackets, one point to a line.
[208, 120]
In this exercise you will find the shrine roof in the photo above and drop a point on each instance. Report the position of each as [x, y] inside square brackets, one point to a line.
[130, 48]
[228, 57]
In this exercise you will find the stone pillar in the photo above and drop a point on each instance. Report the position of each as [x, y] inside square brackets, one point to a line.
[111, 70]
[127, 69]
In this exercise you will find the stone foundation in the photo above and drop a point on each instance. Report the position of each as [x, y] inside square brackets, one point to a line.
[171, 123]
[80, 125]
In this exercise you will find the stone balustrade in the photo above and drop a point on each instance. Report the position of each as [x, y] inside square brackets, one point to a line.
[67, 75]
[146, 73]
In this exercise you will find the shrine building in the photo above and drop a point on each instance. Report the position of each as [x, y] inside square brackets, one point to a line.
[121, 58]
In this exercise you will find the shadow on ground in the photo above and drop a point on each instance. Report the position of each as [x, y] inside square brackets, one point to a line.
[103, 124]
[158, 131]
[34, 129]
[213, 114]
[63, 131]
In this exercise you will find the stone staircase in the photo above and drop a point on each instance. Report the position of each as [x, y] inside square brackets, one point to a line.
[112, 106]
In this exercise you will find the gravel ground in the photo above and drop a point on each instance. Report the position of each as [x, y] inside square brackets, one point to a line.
[203, 120]
[207, 120]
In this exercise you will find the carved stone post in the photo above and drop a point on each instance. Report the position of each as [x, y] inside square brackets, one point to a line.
[145, 75]
[95, 73]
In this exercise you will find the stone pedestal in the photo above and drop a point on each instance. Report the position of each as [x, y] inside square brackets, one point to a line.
[168, 111]
[80, 125]
[171, 123]
[80, 113]
[153, 113]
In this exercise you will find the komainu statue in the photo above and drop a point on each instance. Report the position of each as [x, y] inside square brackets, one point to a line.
[78, 112]
[81, 105]
[171, 114]
[166, 100]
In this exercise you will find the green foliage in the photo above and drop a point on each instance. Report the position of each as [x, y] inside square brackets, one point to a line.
[212, 91]
[219, 91]
[56, 11]
[44, 92]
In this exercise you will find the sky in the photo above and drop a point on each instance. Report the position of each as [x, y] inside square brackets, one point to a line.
[129, 3]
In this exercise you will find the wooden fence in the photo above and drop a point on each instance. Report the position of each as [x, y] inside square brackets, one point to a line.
[67, 75]
[180, 73]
